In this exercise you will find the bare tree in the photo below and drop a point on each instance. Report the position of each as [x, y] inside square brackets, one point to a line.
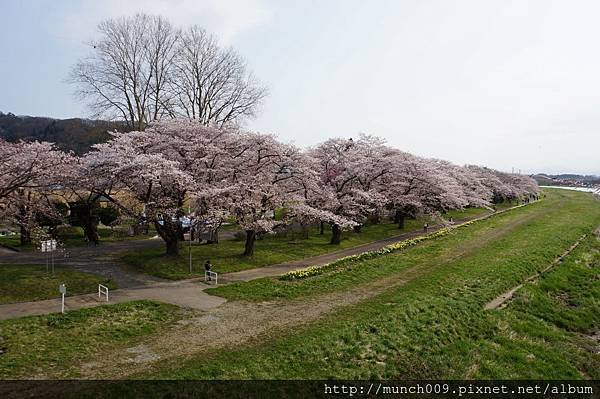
[142, 69]
[211, 84]
[126, 74]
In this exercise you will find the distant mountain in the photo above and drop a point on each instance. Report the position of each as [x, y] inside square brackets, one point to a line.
[76, 135]
[566, 179]
[544, 180]
[581, 178]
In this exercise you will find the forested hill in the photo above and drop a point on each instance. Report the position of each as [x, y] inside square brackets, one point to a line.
[69, 134]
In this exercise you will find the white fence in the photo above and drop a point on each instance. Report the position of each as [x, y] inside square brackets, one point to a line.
[211, 276]
[102, 290]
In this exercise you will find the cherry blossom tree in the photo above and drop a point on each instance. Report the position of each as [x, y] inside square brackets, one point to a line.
[81, 188]
[207, 155]
[153, 174]
[28, 209]
[29, 174]
[348, 171]
[28, 166]
[432, 186]
[460, 187]
[504, 186]
[150, 185]
[417, 186]
[263, 176]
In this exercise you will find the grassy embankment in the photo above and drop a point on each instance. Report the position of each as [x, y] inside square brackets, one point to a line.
[31, 345]
[227, 255]
[433, 325]
[19, 283]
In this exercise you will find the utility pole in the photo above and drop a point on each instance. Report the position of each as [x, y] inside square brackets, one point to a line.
[190, 246]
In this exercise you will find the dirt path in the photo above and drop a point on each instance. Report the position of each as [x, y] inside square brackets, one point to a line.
[185, 293]
[501, 299]
[6, 251]
[236, 323]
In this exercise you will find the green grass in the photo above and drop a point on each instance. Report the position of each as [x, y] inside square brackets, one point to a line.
[434, 325]
[73, 237]
[31, 345]
[548, 323]
[227, 255]
[426, 254]
[14, 241]
[20, 283]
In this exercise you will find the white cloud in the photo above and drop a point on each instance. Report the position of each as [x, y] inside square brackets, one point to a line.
[226, 18]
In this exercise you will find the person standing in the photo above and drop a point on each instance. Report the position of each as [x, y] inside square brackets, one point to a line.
[208, 268]
[425, 227]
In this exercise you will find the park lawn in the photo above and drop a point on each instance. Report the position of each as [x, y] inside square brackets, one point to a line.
[74, 237]
[227, 256]
[31, 345]
[434, 326]
[14, 241]
[21, 283]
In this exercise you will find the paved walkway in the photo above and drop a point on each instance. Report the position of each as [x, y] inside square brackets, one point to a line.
[190, 293]
[101, 259]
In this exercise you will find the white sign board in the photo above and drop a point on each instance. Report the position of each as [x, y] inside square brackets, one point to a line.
[48, 246]
[63, 291]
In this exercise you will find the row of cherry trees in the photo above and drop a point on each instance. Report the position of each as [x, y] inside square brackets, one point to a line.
[181, 168]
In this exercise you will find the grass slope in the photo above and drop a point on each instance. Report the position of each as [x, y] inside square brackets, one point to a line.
[227, 255]
[31, 345]
[20, 283]
[434, 325]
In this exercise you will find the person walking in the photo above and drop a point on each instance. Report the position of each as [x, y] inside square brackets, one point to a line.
[425, 227]
[207, 269]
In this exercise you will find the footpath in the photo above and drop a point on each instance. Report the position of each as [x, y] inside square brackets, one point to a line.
[190, 293]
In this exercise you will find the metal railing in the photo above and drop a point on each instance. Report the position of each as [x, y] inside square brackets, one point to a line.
[211, 276]
[102, 290]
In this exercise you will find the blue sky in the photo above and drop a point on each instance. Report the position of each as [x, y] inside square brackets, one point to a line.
[508, 84]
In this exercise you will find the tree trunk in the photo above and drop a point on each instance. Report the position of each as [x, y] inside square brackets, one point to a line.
[305, 231]
[172, 247]
[336, 234]
[322, 228]
[90, 229]
[250, 240]
[214, 237]
[170, 232]
[399, 219]
[25, 235]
